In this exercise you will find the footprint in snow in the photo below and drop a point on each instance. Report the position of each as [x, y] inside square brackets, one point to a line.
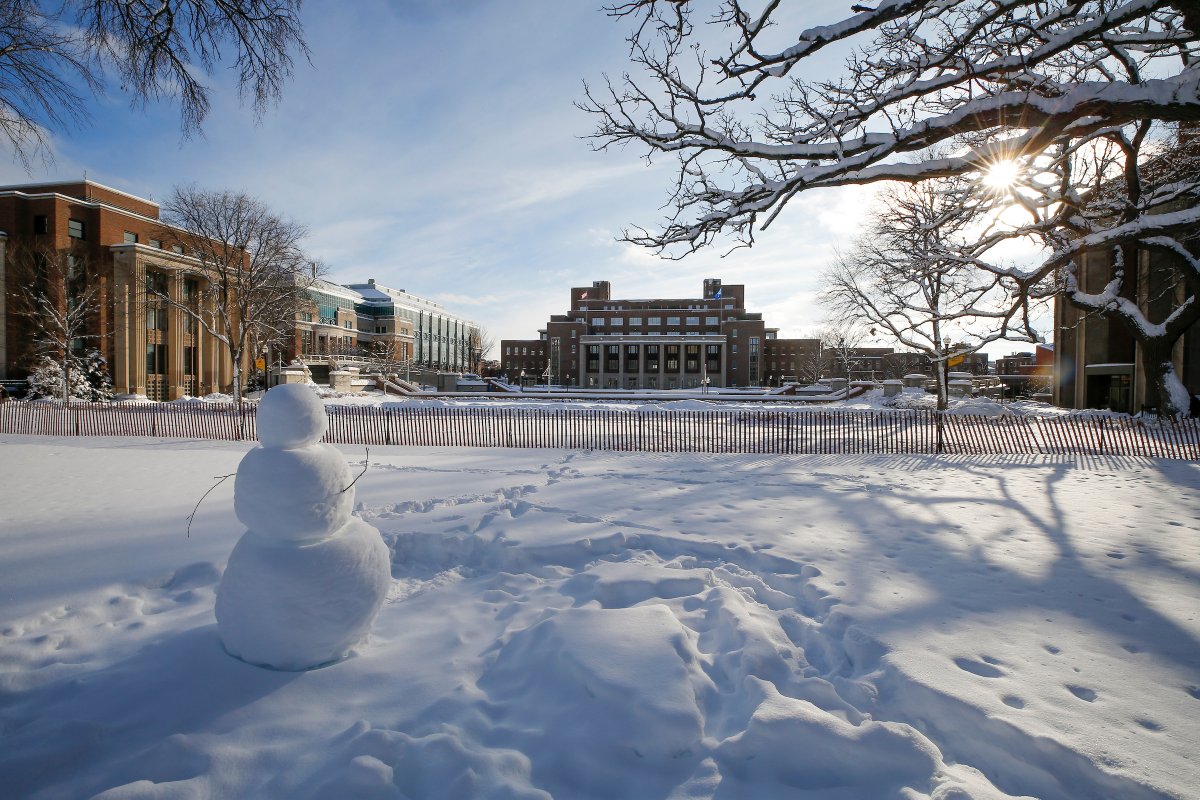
[979, 668]
[1083, 693]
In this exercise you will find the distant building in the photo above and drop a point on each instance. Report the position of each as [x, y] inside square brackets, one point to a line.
[656, 343]
[371, 319]
[1027, 374]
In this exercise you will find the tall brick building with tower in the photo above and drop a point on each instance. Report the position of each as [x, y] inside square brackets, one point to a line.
[656, 343]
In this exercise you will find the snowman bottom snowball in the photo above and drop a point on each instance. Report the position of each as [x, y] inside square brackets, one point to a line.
[296, 607]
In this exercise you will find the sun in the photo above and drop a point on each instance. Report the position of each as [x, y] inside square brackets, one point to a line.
[1002, 175]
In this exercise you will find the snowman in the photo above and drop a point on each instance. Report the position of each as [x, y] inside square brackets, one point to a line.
[306, 579]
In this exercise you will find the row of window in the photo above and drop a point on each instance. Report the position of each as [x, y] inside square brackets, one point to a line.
[651, 322]
[77, 229]
[156, 359]
[690, 307]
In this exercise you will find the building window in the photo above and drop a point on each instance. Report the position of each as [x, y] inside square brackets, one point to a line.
[130, 237]
[692, 321]
[692, 358]
[613, 359]
[618, 322]
[155, 243]
[189, 360]
[712, 320]
[672, 320]
[593, 358]
[651, 358]
[713, 358]
[156, 318]
[654, 321]
[348, 325]
[75, 229]
[635, 320]
[177, 248]
[41, 224]
[156, 359]
[156, 283]
[598, 322]
[672, 358]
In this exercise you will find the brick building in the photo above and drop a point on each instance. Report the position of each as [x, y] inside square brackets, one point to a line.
[124, 250]
[116, 239]
[659, 343]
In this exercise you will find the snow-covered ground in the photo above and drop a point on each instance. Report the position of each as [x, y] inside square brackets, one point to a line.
[576, 624]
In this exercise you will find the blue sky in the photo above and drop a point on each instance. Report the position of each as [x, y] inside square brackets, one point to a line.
[435, 147]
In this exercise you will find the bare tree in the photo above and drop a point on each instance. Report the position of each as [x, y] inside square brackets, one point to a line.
[55, 296]
[904, 276]
[51, 58]
[1067, 92]
[480, 342]
[814, 364]
[252, 274]
[841, 340]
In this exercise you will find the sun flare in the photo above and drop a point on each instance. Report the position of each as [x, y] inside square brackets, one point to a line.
[1002, 174]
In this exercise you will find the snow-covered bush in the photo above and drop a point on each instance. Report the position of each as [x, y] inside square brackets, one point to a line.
[89, 378]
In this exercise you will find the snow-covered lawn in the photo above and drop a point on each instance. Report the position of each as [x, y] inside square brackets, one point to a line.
[573, 624]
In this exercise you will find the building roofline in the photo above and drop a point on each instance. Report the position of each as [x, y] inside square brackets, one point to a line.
[85, 182]
[8, 191]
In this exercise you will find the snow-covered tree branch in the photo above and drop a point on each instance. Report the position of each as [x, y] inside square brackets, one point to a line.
[1080, 100]
[903, 278]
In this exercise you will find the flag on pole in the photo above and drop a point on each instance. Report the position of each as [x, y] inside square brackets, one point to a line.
[717, 293]
[583, 295]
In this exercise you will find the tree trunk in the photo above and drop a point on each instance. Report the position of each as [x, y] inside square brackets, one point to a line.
[66, 376]
[237, 379]
[1165, 389]
[943, 387]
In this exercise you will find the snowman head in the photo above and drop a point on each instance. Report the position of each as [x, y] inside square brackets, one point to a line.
[291, 416]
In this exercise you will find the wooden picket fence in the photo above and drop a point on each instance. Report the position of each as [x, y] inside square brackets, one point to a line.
[655, 430]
